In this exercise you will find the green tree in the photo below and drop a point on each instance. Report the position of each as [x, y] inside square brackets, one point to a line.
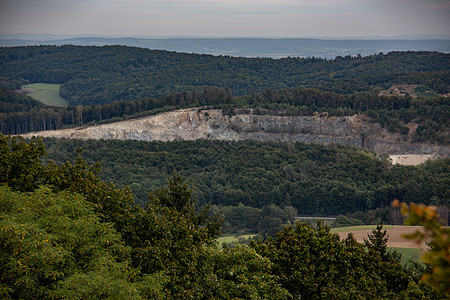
[315, 264]
[170, 237]
[377, 241]
[53, 245]
[20, 165]
[244, 274]
[22, 169]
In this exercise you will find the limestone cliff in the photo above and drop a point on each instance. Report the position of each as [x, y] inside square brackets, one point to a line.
[212, 124]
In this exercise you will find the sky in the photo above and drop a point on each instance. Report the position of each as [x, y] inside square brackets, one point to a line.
[226, 18]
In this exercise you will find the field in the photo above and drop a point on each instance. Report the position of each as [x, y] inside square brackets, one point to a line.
[357, 228]
[229, 238]
[46, 93]
[408, 249]
[408, 254]
[395, 235]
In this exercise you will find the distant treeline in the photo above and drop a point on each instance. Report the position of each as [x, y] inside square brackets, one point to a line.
[20, 114]
[314, 179]
[99, 75]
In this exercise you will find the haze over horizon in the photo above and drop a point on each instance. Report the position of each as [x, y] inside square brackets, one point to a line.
[226, 18]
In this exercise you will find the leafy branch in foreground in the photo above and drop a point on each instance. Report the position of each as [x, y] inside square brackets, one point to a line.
[438, 238]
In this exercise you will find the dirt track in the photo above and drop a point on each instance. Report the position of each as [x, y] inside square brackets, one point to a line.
[395, 238]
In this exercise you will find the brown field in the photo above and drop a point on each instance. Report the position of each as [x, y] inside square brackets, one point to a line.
[395, 238]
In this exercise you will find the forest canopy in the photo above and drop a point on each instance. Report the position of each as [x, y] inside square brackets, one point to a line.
[111, 83]
[315, 179]
[99, 75]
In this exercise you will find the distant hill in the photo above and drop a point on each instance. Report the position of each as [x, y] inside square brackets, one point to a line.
[251, 47]
[98, 75]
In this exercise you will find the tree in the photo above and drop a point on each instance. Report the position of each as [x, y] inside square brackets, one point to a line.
[170, 237]
[377, 241]
[315, 264]
[20, 165]
[244, 274]
[53, 245]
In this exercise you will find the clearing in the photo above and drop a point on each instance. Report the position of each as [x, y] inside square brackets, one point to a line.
[409, 250]
[230, 238]
[395, 235]
[47, 93]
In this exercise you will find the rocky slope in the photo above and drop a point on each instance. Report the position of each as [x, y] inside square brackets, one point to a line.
[192, 124]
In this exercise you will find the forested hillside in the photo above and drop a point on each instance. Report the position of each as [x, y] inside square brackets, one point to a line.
[65, 233]
[429, 116]
[11, 102]
[111, 83]
[98, 75]
[314, 179]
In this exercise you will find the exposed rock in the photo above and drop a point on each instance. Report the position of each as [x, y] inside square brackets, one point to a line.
[409, 159]
[212, 124]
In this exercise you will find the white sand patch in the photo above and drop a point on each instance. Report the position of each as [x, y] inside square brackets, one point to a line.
[409, 159]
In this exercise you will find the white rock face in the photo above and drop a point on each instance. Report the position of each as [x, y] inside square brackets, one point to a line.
[212, 124]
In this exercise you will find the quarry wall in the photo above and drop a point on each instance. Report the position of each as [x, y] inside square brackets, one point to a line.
[212, 124]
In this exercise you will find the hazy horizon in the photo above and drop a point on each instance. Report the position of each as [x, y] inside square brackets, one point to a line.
[227, 18]
[50, 36]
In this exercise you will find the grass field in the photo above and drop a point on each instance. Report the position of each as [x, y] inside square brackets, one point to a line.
[46, 93]
[407, 253]
[229, 238]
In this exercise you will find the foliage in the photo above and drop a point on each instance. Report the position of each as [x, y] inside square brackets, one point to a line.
[20, 165]
[23, 170]
[179, 240]
[93, 77]
[53, 245]
[438, 237]
[377, 241]
[315, 264]
[97, 75]
[11, 102]
[68, 234]
[244, 274]
[343, 221]
[85, 239]
[314, 179]
[371, 216]
[239, 217]
[391, 112]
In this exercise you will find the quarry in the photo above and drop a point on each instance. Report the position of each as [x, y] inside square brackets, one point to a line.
[245, 124]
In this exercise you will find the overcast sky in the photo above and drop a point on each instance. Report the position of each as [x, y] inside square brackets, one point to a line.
[230, 18]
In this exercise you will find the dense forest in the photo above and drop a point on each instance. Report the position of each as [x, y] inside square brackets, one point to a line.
[314, 179]
[111, 83]
[65, 233]
[20, 114]
[99, 75]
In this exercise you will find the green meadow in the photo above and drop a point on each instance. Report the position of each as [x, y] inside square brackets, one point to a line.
[228, 238]
[46, 93]
[408, 254]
